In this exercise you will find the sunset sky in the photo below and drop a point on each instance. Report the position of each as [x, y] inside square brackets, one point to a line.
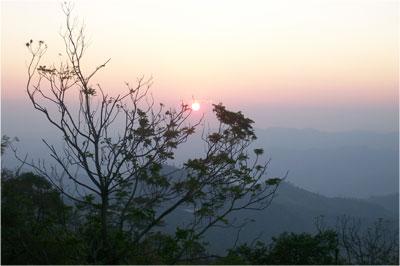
[329, 65]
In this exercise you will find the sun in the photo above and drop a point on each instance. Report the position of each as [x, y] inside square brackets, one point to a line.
[195, 106]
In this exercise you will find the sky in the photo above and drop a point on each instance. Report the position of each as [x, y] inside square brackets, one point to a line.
[330, 65]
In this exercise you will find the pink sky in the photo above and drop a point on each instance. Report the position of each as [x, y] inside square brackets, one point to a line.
[289, 56]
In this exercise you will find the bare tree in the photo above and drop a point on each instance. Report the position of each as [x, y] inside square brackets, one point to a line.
[376, 244]
[115, 149]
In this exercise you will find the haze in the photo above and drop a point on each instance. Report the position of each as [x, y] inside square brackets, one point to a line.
[327, 65]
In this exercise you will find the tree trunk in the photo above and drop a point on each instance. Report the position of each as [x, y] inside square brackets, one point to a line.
[106, 255]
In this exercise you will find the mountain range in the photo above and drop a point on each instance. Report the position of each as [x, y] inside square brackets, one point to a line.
[338, 164]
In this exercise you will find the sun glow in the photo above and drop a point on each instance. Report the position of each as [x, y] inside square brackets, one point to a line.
[294, 55]
[195, 106]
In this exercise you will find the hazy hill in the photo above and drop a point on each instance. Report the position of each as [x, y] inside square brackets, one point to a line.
[389, 202]
[347, 164]
[350, 164]
[293, 209]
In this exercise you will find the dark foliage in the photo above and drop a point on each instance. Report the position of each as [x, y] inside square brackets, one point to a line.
[39, 228]
[35, 223]
[288, 248]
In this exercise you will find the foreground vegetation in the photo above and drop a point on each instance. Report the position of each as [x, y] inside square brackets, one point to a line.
[39, 228]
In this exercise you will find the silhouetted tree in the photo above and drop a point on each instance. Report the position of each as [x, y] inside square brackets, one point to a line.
[115, 149]
[375, 244]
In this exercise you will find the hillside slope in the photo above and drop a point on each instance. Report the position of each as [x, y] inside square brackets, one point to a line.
[293, 209]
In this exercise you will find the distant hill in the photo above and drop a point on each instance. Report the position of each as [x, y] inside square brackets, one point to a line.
[294, 210]
[346, 164]
[389, 202]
